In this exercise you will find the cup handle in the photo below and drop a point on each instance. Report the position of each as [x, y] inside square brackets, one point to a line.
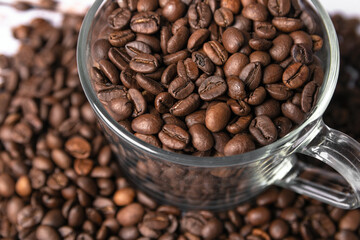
[340, 152]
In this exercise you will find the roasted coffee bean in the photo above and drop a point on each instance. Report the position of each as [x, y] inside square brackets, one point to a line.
[287, 24]
[264, 30]
[186, 106]
[242, 23]
[270, 108]
[272, 74]
[124, 196]
[279, 91]
[302, 54]
[239, 144]
[175, 57]
[259, 44]
[235, 64]
[232, 39]
[7, 185]
[281, 47]
[240, 108]
[144, 5]
[120, 38]
[100, 49]
[181, 22]
[168, 75]
[138, 102]
[212, 88]
[128, 78]
[203, 62]
[121, 108]
[197, 38]
[145, 22]
[135, 47]
[217, 116]
[317, 42]
[171, 119]
[255, 12]
[279, 8]
[301, 37]
[232, 5]
[174, 137]
[216, 52]
[173, 10]
[261, 57]
[144, 63]
[251, 75]
[179, 40]
[150, 139]
[117, 59]
[147, 124]
[263, 130]
[149, 84]
[308, 96]
[223, 17]
[201, 138]
[295, 75]
[181, 88]
[236, 88]
[163, 102]
[119, 18]
[256, 97]
[197, 117]
[239, 124]
[165, 35]
[199, 15]
[283, 126]
[293, 112]
[110, 71]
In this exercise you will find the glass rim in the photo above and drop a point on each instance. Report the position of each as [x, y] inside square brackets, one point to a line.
[329, 84]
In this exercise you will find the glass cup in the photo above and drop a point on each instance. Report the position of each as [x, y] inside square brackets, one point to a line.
[221, 182]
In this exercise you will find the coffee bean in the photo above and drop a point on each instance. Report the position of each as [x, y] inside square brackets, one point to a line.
[350, 221]
[203, 62]
[46, 232]
[7, 185]
[120, 38]
[251, 75]
[212, 229]
[287, 24]
[212, 88]
[144, 63]
[281, 47]
[163, 102]
[233, 5]
[120, 108]
[293, 112]
[124, 196]
[135, 47]
[30, 216]
[217, 116]
[260, 44]
[302, 54]
[308, 96]
[179, 40]
[256, 97]
[317, 42]
[239, 144]
[145, 22]
[279, 8]
[78, 147]
[239, 124]
[23, 186]
[144, 5]
[197, 38]
[147, 124]
[149, 84]
[199, 15]
[263, 130]
[272, 74]
[232, 39]
[255, 12]
[270, 108]
[175, 57]
[119, 18]
[283, 126]
[201, 138]
[100, 49]
[236, 88]
[264, 30]
[301, 37]
[258, 216]
[235, 64]
[174, 137]
[240, 108]
[260, 57]
[279, 91]
[110, 71]
[223, 17]
[138, 101]
[173, 10]
[117, 59]
[216, 52]
[181, 88]
[295, 75]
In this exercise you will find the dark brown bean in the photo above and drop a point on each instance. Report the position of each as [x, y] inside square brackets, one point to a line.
[120, 38]
[147, 124]
[199, 15]
[145, 22]
[293, 112]
[179, 40]
[201, 138]
[119, 18]
[263, 130]
[287, 24]
[181, 88]
[295, 75]
[216, 52]
[174, 137]
[149, 84]
[197, 38]
[203, 62]
[239, 144]
[251, 75]
[212, 88]
[239, 124]
[217, 116]
[278, 91]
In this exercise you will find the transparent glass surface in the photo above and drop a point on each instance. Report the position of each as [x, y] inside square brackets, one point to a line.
[218, 183]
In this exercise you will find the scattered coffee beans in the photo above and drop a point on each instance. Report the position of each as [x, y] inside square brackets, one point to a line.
[50, 190]
[244, 69]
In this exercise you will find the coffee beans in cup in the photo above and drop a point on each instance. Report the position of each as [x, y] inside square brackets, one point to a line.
[180, 74]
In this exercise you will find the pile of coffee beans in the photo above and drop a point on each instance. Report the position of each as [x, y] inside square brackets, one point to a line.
[190, 76]
[60, 180]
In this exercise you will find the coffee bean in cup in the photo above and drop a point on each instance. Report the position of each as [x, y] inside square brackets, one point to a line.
[246, 70]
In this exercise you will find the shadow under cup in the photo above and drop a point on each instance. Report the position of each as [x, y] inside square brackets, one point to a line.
[221, 182]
